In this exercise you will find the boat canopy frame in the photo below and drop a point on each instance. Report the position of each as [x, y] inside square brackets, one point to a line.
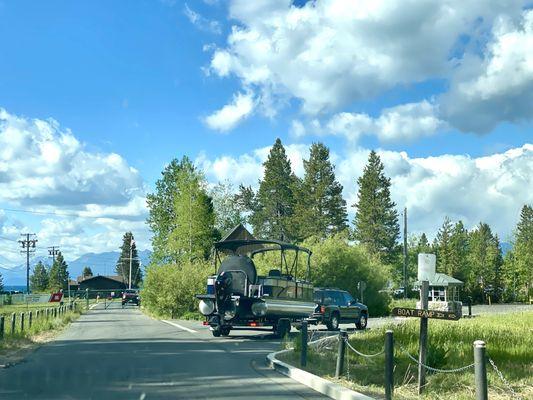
[251, 247]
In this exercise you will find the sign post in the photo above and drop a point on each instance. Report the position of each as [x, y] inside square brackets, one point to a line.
[422, 348]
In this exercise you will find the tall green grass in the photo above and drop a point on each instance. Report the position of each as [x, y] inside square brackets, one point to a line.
[509, 339]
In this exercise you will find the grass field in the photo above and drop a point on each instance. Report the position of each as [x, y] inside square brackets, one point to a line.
[509, 339]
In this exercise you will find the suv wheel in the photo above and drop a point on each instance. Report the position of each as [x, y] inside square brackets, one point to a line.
[363, 321]
[225, 330]
[333, 323]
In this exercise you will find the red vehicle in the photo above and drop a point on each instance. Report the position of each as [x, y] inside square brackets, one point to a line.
[131, 296]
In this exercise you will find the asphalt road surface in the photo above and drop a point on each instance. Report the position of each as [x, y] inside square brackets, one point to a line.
[122, 354]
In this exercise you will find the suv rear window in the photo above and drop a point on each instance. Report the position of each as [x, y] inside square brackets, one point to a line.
[317, 297]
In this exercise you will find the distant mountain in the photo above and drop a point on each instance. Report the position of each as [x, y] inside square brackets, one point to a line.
[100, 264]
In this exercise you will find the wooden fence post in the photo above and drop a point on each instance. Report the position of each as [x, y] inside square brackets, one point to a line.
[1, 327]
[22, 322]
[303, 355]
[13, 321]
[30, 317]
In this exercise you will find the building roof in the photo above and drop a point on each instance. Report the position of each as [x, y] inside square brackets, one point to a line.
[116, 278]
[440, 279]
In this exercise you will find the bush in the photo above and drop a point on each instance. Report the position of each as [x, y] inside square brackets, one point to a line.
[339, 264]
[169, 289]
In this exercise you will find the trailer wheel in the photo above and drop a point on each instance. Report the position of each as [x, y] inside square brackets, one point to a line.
[225, 331]
[216, 332]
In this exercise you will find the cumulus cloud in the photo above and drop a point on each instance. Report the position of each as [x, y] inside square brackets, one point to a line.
[232, 114]
[490, 189]
[499, 86]
[329, 54]
[405, 122]
[44, 168]
[201, 22]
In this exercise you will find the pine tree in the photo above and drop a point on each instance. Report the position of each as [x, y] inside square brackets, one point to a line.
[376, 219]
[423, 245]
[39, 279]
[162, 219]
[272, 208]
[122, 268]
[523, 251]
[444, 244]
[87, 272]
[58, 275]
[194, 231]
[483, 258]
[227, 210]
[320, 207]
[459, 252]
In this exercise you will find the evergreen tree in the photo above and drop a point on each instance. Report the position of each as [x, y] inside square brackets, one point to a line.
[227, 210]
[483, 258]
[194, 231]
[122, 268]
[39, 278]
[376, 219]
[272, 208]
[162, 219]
[423, 245]
[320, 207]
[58, 275]
[523, 251]
[87, 272]
[1, 282]
[459, 252]
[444, 245]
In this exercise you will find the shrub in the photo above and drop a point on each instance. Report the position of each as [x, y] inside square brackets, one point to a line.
[338, 263]
[169, 289]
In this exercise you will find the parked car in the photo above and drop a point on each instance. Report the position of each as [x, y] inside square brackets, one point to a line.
[131, 296]
[335, 306]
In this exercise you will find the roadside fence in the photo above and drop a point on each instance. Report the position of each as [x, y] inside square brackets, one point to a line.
[481, 358]
[23, 322]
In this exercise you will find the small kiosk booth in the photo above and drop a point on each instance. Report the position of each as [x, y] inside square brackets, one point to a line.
[443, 289]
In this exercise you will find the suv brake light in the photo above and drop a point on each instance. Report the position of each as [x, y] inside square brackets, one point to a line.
[322, 309]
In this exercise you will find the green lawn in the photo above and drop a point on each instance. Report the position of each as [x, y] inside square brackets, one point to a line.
[509, 339]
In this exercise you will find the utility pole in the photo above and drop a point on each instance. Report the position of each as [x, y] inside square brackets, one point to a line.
[28, 246]
[132, 242]
[405, 253]
[53, 251]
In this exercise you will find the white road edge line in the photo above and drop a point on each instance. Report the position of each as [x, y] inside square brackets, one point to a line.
[179, 326]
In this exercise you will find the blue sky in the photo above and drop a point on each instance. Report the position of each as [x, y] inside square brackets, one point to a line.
[152, 80]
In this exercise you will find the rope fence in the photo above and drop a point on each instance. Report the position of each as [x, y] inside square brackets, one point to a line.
[479, 365]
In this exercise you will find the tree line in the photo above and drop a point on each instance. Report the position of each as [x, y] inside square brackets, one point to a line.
[56, 277]
[186, 216]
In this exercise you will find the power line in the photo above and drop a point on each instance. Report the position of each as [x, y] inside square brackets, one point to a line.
[67, 214]
[11, 240]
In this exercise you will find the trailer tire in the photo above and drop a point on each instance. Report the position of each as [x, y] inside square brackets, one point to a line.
[216, 332]
[363, 321]
[225, 331]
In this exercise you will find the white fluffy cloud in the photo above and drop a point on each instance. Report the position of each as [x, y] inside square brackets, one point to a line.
[42, 164]
[45, 169]
[490, 189]
[329, 54]
[230, 115]
[405, 122]
[499, 86]
[201, 22]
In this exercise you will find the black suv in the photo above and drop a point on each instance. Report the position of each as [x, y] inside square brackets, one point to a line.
[335, 306]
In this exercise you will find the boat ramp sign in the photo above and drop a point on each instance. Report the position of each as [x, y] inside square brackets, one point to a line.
[414, 312]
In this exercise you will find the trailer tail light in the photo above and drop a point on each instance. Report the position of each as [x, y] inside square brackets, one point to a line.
[322, 309]
[205, 323]
[254, 324]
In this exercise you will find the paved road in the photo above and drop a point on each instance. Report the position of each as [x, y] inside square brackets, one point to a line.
[122, 354]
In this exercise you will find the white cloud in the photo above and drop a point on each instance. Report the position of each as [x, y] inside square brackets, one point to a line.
[232, 114]
[499, 86]
[491, 189]
[405, 122]
[44, 168]
[201, 22]
[329, 53]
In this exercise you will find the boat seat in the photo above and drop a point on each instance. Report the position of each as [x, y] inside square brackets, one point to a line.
[274, 272]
